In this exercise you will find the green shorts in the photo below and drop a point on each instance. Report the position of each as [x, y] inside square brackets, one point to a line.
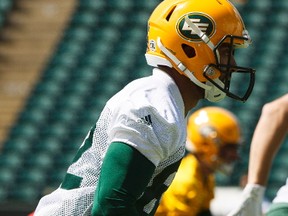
[278, 209]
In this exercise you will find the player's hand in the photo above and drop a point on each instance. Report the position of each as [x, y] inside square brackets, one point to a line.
[251, 201]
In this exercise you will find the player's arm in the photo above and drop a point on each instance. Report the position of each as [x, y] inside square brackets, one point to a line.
[124, 176]
[268, 136]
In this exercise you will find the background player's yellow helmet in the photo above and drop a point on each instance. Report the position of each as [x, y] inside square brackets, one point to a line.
[186, 35]
[209, 130]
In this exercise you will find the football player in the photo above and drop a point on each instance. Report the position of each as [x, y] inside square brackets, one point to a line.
[270, 132]
[131, 154]
[213, 140]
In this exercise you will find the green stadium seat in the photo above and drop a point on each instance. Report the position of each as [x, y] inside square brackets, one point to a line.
[34, 176]
[87, 5]
[7, 177]
[3, 193]
[50, 146]
[5, 5]
[281, 5]
[24, 191]
[26, 131]
[256, 19]
[85, 18]
[18, 145]
[11, 160]
[122, 6]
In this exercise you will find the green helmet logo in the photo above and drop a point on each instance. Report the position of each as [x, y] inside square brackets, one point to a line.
[205, 23]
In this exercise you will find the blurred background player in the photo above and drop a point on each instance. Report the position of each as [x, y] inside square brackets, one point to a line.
[269, 134]
[214, 137]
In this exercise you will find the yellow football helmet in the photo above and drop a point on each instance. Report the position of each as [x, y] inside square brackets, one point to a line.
[186, 35]
[210, 130]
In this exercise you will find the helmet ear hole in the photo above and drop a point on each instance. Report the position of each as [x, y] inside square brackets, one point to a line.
[189, 51]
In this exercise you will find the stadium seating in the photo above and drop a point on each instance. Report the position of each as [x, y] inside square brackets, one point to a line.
[5, 6]
[101, 50]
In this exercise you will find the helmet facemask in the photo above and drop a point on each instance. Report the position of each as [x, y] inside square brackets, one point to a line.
[229, 69]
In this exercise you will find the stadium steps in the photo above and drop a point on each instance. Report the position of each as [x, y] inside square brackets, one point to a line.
[28, 38]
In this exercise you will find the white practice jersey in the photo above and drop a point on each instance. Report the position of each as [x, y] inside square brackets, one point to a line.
[147, 114]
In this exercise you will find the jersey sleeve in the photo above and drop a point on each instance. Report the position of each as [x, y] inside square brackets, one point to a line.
[143, 128]
[124, 176]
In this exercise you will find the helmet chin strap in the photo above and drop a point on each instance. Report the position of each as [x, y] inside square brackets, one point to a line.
[181, 66]
[212, 93]
[215, 94]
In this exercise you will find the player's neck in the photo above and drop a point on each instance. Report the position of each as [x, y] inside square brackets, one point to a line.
[190, 92]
